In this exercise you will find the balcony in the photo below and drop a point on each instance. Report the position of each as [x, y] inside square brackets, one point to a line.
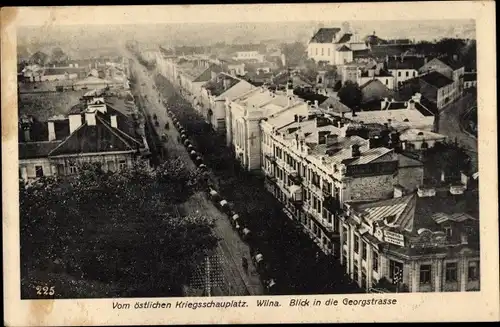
[271, 158]
[295, 178]
[326, 192]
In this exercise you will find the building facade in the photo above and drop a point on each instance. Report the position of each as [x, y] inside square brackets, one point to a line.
[421, 242]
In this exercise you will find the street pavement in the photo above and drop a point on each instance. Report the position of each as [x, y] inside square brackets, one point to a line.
[231, 248]
[450, 125]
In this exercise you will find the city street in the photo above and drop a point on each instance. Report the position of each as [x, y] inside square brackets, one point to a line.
[231, 248]
[450, 125]
[291, 253]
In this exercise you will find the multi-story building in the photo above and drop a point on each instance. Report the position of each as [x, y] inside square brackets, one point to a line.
[314, 162]
[470, 80]
[404, 68]
[452, 68]
[334, 46]
[438, 89]
[99, 129]
[214, 95]
[243, 116]
[427, 241]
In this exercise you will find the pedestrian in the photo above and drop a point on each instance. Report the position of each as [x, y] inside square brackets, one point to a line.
[244, 263]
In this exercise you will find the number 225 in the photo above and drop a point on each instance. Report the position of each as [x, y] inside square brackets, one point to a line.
[45, 290]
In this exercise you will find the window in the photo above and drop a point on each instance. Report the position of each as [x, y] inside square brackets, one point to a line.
[473, 270]
[322, 51]
[60, 169]
[355, 272]
[72, 168]
[375, 261]
[425, 274]
[448, 231]
[356, 244]
[111, 166]
[316, 51]
[399, 74]
[414, 74]
[364, 249]
[451, 272]
[386, 81]
[122, 164]
[39, 171]
[328, 51]
[407, 74]
[394, 267]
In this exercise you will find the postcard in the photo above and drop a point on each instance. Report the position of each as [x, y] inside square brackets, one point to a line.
[258, 163]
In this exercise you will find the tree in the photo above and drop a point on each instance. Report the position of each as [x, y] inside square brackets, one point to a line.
[109, 234]
[58, 56]
[350, 94]
[295, 53]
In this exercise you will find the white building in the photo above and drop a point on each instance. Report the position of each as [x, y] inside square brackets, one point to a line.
[334, 45]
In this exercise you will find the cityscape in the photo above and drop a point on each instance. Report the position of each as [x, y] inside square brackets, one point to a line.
[335, 158]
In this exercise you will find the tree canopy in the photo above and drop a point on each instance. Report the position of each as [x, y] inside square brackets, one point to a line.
[350, 94]
[104, 234]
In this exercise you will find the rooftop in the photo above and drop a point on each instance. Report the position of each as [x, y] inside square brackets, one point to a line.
[412, 134]
[436, 79]
[405, 62]
[325, 35]
[452, 62]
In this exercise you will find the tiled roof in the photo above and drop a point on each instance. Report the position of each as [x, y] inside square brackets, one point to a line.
[381, 51]
[41, 149]
[325, 35]
[239, 88]
[93, 139]
[216, 86]
[345, 38]
[406, 161]
[407, 62]
[334, 105]
[436, 79]
[344, 48]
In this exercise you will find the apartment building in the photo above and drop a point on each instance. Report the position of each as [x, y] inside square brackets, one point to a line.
[427, 241]
[243, 117]
[215, 93]
[314, 162]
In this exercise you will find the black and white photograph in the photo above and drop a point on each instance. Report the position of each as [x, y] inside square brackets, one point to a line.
[226, 159]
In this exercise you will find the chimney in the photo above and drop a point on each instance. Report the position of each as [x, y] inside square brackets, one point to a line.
[52, 131]
[226, 82]
[316, 105]
[332, 139]
[355, 151]
[75, 121]
[443, 176]
[114, 122]
[90, 118]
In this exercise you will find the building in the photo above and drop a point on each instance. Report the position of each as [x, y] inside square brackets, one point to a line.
[470, 80]
[214, 95]
[404, 67]
[451, 67]
[398, 115]
[427, 241]
[99, 129]
[376, 73]
[243, 116]
[438, 89]
[416, 139]
[373, 91]
[314, 162]
[334, 46]
[249, 55]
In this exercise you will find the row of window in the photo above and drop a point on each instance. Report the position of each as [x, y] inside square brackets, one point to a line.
[451, 268]
[322, 52]
[407, 73]
[73, 169]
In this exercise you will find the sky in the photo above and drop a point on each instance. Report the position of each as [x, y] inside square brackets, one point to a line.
[44, 16]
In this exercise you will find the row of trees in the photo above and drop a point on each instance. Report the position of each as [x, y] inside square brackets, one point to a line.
[105, 234]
